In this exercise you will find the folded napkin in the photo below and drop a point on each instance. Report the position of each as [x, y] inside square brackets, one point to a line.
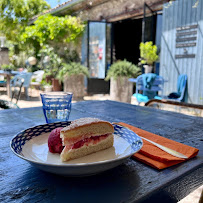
[155, 157]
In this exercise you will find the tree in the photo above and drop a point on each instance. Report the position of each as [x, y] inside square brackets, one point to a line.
[48, 29]
[15, 15]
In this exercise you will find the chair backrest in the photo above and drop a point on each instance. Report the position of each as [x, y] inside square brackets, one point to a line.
[25, 76]
[156, 85]
[37, 76]
[182, 87]
[18, 86]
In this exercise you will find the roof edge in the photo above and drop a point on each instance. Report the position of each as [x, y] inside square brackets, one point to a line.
[57, 9]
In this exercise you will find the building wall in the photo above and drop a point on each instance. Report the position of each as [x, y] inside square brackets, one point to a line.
[115, 10]
[4, 57]
[183, 13]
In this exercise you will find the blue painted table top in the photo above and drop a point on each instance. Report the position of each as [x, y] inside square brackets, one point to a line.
[132, 181]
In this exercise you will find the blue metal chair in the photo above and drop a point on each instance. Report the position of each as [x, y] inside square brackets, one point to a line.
[182, 94]
[26, 84]
[17, 89]
[150, 84]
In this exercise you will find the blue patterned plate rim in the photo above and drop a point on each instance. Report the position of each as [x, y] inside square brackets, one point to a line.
[132, 138]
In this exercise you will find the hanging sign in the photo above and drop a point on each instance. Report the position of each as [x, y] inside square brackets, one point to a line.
[193, 44]
[186, 36]
[185, 56]
[188, 27]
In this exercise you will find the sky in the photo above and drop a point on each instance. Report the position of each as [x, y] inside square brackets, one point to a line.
[54, 3]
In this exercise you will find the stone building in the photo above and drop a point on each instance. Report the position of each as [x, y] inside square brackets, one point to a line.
[114, 31]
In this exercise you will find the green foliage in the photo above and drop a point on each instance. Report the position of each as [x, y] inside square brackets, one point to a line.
[44, 83]
[123, 68]
[70, 56]
[15, 14]
[48, 28]
[148, 53]
[72, 69]
[50, 61]
[8, 67]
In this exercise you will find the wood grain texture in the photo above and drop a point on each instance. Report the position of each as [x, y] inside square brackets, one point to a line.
[130, 182]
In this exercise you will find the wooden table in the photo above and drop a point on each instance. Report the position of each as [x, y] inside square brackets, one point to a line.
[132, 181]
[8, 75]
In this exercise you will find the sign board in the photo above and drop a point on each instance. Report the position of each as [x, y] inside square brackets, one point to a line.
[186, 36]
[193, 44]
[186, 39]
[186, 33]
[185, 56]
[188, 27]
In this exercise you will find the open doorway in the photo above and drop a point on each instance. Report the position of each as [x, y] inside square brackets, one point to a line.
[127, 35]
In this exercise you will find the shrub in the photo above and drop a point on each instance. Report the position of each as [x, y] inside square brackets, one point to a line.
[148, 53]
[123, 68]
[72, 69]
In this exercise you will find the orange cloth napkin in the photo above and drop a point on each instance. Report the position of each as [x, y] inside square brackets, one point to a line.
[155, 157]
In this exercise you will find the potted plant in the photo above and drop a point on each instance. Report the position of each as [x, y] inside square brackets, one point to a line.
[72, 75]
[118, 74]
[47, 86]
[52, 63]
[148, 54]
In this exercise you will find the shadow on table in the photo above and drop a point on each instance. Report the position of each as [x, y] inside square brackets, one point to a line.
[98, 187]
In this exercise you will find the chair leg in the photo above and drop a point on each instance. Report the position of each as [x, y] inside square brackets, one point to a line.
[26, 93]
[12, 94]
[19, 93]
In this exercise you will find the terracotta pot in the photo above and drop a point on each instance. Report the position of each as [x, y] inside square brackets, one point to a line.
[56, 85]
[49, 78]
[121, 89]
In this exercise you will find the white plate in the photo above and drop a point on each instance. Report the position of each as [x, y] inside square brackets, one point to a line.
[31, 145]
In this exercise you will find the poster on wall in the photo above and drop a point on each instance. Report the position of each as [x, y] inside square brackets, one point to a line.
[94, 56]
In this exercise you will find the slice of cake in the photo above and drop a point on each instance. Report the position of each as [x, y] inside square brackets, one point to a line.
[85, 136]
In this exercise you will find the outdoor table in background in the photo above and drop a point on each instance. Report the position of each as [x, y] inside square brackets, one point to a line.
[8, 75]
[132, 181]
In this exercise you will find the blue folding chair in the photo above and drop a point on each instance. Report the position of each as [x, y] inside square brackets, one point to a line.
[26, 84]
[150, 84]
[17, 89]
[182, 93]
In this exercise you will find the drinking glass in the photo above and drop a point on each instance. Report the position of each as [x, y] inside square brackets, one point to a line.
[56, 106]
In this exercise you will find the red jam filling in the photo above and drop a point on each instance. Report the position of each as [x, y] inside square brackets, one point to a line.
[87, 140]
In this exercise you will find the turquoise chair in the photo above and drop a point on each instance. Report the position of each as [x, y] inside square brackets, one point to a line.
[17, 89]
[182, 93]
[27, 79]
[149, 84]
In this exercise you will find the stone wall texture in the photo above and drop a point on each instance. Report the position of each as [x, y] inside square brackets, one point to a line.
[114, 10]
[4, 57]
